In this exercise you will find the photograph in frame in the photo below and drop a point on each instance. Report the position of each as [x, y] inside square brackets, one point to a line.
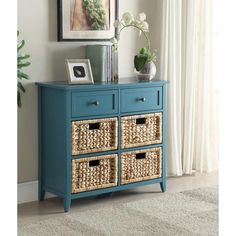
[86, 20]
[79, 71]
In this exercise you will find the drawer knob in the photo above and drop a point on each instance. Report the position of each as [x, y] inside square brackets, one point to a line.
[96, 103]
[142, 99]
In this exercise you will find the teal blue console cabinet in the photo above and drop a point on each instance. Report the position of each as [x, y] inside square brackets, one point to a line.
[101, 138]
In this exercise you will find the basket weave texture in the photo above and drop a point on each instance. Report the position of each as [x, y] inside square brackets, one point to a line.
[86, 177]
[147, 133]
[86, 140]
[134, 170]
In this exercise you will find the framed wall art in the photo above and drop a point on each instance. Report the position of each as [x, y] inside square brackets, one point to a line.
[86, 20]
[79, 71]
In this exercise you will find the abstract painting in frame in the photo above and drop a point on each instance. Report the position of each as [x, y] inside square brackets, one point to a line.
[86, 20]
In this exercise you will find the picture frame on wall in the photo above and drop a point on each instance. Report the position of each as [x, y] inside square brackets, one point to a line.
[79, 71]
[86, 20]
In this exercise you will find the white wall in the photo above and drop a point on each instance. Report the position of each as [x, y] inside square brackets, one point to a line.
[37, 23]
[130, 42]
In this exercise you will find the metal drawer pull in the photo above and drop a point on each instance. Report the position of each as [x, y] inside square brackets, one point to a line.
[94, 163]
[142, 99]
[140, 156]
[96, 103]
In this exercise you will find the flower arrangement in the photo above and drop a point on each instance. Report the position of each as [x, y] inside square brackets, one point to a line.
[145, 55]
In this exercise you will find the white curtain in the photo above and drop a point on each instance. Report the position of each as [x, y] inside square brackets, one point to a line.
[186, 61]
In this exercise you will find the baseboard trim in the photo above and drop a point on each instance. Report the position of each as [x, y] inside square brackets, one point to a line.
[28, 192]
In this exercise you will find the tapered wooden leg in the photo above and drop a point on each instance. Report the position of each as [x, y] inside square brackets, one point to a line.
[163, 186]
[67, 204]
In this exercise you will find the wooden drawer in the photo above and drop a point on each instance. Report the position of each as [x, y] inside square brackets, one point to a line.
[94, 103]
[145, 99]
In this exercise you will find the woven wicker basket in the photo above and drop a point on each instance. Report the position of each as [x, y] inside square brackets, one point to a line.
[93, 173]
[141, 130]
[94, 135]
[141, 165]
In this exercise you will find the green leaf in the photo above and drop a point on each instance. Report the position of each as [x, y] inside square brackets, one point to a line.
[23, 64]
[139, 62]
[22, 56]
[20, 87]
[18, 99]
[22, 75]
[20, 45]
[143, 51]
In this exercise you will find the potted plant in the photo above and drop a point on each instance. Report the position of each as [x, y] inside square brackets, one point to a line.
[21, 63]
[144, 61]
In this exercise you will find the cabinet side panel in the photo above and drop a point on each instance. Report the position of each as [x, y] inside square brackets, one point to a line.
[54, 138]
[164, 134]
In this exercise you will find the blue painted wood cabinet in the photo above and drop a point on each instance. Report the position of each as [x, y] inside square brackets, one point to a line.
[60, 105]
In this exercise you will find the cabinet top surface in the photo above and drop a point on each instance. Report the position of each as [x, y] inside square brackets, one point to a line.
[123, 82]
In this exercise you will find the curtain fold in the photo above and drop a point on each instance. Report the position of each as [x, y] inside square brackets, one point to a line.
[186, 61]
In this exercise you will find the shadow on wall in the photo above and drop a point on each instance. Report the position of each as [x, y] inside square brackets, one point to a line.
[52, 19]
[154, 18]
[58, 57]
[27, 151]
[60, 51]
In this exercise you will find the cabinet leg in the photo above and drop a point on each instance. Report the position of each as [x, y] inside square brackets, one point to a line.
[163, 186]
[41, 195]
[67, 204]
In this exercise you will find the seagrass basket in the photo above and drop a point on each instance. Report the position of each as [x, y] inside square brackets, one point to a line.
[94, 135]
[93, 173]
[141, 130]
[141, 165]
